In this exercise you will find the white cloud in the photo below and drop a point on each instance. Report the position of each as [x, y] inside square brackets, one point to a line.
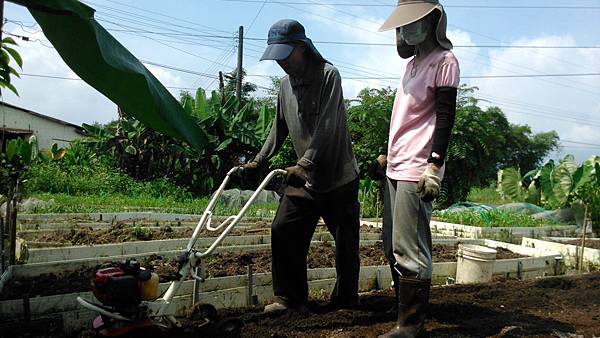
[69, 100]
[564, 104]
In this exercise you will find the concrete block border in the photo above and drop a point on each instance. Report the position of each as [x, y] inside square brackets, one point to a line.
[569, 252]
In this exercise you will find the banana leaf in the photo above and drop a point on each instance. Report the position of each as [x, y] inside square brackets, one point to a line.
[101, 61]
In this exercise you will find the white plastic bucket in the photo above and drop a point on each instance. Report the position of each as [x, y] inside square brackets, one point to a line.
[475, 264]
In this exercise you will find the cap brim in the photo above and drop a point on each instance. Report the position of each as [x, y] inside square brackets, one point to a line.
[277, 52]
[407, 13]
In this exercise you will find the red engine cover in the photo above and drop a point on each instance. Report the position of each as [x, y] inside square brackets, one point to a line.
[100, 279]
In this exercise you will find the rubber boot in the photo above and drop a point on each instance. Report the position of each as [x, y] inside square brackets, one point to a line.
[413, 303]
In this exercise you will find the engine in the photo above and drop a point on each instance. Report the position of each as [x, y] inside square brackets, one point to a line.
[124, 287]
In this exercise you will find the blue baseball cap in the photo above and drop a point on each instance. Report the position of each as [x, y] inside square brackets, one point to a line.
[284, 36]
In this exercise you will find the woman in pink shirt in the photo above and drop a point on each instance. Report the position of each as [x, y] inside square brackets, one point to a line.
[420, 128]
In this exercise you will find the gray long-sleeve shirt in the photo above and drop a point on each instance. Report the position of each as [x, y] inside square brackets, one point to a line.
[311, 110]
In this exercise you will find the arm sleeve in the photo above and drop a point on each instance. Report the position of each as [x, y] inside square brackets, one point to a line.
[447, 81]
[279, 131]
[445, 110]
[330, 120]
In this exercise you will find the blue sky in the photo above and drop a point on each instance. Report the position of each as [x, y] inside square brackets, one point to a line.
[569, 105]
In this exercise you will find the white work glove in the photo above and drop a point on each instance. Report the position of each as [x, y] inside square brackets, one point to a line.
[429, 184]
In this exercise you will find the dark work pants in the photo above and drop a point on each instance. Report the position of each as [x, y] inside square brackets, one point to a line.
[291, 234]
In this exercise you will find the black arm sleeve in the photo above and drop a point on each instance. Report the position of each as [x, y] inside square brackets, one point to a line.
[445, 110]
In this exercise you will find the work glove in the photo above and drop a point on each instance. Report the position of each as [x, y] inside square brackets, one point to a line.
[296, 176]
[377, 168]
[248, 171]
[429, 184]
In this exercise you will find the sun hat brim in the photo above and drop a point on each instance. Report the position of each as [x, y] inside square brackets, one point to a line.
[406, 13]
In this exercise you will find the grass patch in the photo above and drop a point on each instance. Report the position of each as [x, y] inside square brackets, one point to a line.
[488, 196]
[490, 218]
[65, 203]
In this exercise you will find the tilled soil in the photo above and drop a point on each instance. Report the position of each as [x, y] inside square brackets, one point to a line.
[122, 232]
[220, 265]
[550, 307]
[566, 306]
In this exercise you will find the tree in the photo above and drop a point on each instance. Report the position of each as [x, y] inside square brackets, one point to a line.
[145, 154]
[247, 87]
[368, 122]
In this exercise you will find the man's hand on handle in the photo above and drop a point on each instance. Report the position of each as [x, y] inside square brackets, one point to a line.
[296, 176]
[377, 168]
[249, 171]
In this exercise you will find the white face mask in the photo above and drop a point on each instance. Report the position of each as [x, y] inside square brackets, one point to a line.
[414, 33]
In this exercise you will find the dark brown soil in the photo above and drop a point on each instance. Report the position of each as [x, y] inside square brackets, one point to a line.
[122, 232]
[549, 307]
[588, 244]
[220, 265]
[125, 232]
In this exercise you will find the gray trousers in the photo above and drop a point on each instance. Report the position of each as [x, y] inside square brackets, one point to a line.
[406, 233]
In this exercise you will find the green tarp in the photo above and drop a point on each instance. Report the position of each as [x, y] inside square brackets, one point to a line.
[101, 61]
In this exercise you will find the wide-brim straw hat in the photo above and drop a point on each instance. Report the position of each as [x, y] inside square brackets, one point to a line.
[409, 11]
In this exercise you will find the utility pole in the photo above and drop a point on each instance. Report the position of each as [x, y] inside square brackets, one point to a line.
[221, 87]
[3, 226]
[240, 59]
[1, 17]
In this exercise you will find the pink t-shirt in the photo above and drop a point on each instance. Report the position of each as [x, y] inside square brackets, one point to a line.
[413, 116]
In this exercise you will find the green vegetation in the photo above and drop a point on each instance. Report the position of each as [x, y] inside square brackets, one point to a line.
[66, 203]
[482, 141]
[490, 218]
[97, 179]
[6, 70]
[566, 184]
[487, 196]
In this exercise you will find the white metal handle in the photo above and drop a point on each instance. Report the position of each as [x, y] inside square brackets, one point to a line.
[234, 220]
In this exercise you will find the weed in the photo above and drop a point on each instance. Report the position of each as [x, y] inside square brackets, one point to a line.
[142, 233]
[490, 218]
[489, 196]
[65, 203]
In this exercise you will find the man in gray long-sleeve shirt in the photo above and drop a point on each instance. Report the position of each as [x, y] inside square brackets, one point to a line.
[310, 109]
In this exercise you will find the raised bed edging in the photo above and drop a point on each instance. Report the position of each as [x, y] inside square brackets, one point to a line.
[42, 255]
[122, 216]
[468, 231]
[569, 252]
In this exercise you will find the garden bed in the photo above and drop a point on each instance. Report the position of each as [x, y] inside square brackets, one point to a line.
[570, 252]
[549, 307]
[591, 243]
[507, 234]
[219, 265]
[122, 232]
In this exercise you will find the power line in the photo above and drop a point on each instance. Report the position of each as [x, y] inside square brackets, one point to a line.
[488, 76]
[346, 43]
[78, 79]
[581, 143]
[345, 4]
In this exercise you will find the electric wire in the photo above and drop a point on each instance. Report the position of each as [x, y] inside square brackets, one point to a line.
[347, 4]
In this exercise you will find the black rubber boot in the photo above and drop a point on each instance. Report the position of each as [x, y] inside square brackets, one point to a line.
[413, 303]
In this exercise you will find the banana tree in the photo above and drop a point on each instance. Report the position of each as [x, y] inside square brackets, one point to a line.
[19, 154]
